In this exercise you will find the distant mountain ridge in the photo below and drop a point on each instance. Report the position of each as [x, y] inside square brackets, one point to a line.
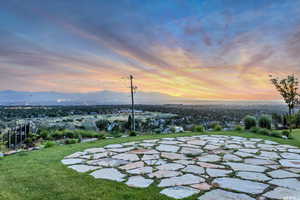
[105, 97]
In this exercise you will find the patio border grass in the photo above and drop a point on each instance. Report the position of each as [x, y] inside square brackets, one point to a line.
[40, 175]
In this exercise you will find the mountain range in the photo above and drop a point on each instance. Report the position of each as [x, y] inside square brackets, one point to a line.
[105, 97]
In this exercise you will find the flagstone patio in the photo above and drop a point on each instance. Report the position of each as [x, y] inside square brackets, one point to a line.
[210, 166]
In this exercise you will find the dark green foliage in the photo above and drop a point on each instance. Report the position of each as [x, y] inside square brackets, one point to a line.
[238, 128]
[265, 122]
[199, 128]
[276, 134]
[132, 133]
[49, 144]
[71, 141]
[297, 119]
[217, 127]
[102, 124]
[264, 131]
[285, 133]
[254, 130]
[249, 122]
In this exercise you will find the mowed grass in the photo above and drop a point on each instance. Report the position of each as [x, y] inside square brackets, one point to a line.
[39, 175]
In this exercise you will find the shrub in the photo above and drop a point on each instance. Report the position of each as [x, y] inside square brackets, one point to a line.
[69, 134]
[57, 134]
[71, 141]
[264, 131]
[132, 133]
[44, 134]
[254, 130]
[249, 122]
[49, 144]
[265, 122]
[276, 134]
[285, 133]
[199, 128]
[217, 127]
[238, 128]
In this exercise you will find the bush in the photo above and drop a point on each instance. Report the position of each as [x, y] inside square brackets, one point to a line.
[44, 134]
[199, 128]
[276, 134]
[249, 122]
[264, 131]
[285, 133]
[238, 128]
[71, 141]
[265, 122]
[217, 127]
[57, 134]
[132, 133]
[70, 134]
[49, 144]
[254, 130]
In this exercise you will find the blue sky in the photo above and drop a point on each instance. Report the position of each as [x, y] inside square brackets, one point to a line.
[201, 49]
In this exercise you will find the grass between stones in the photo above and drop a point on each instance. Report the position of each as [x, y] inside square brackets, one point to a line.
[40, 174]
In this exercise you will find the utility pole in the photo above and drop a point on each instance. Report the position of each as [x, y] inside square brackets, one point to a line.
[132, 88]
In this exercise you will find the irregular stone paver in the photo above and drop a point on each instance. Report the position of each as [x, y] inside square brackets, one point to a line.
[126, 156]
[83, 168]
[173, 156]
[179, 192]
[282, 174]
[186, 179]
[191, 151]
[142, 170]
[111, 146]
[201, 186]
[95, 150]
[291, 156]
[255, 176]
[291, 183]
[218, 172]
[139, 181]
[249, 168]
[170, 166]
[246, 167]
[255, 161]
[109, 174]
[168, 148]
[283, 193]
[241, 185]
[290, 163]
[164, 174]
[132, 165]
[209, 158]
[231, 157]
[194, 169]
[72, 161]
[109, 162]
[224, 195]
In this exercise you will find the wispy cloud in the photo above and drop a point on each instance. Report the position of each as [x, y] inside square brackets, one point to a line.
[201, 50]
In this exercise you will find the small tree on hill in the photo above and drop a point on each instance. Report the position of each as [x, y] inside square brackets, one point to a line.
[288, 89]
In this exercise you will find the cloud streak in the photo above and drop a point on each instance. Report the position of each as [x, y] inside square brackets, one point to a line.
[207, 50]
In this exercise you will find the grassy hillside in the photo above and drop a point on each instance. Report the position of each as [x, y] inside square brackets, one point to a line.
[40, 174]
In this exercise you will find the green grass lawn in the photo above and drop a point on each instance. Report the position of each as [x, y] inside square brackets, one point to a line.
[39, 175]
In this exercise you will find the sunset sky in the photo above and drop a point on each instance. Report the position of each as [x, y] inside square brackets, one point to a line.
[196, 49]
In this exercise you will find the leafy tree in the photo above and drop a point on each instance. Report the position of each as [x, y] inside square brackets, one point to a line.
[288, 89]
[265, 122]
[249, 122]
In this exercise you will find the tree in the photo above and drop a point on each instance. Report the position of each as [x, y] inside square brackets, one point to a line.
[288, 89]
[249, 122]
[265, 122]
